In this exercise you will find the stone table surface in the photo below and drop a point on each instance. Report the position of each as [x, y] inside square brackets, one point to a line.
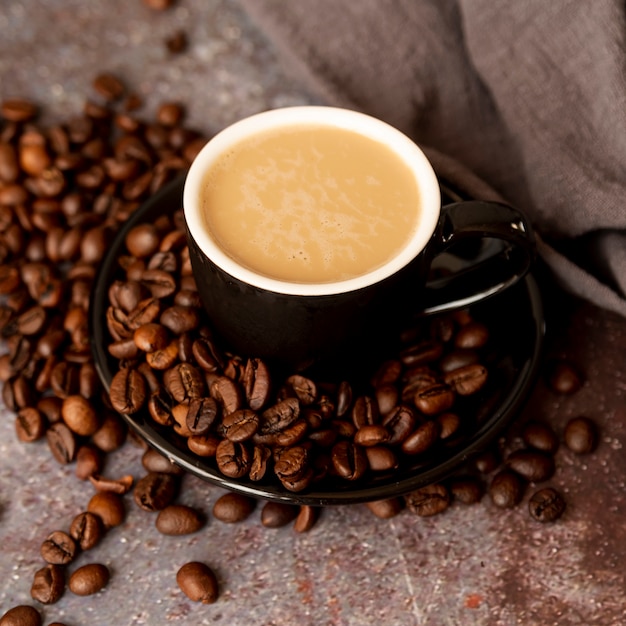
[475, 565]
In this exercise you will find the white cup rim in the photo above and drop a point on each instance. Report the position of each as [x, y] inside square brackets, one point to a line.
[348, 119]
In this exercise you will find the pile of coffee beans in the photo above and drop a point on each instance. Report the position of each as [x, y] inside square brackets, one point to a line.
[65, 190]
[296, 430]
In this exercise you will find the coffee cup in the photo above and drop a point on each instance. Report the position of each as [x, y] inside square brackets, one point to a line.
[312, 231]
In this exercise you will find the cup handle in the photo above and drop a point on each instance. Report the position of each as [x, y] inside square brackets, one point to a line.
[477, 219]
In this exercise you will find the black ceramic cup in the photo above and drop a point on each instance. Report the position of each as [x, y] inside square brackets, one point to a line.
[301, 323]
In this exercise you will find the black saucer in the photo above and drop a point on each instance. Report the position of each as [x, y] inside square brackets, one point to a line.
[516, 322]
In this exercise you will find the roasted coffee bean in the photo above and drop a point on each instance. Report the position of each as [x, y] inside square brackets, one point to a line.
[349, 461]
[87, 530]
[422, 353]
[399, 424]
[128, 392]
[184, 382]
[291, 464]
[58, 548]
[179, 519]
[564, 378]
[386, 509]
[344, 398]
[278, 514]
[160, 407]
[30, 424]
[23, 614]
[109, 507]
[540, 437]
[154, 461]
[456, 359]
[467, 380]
[180, 319]
[387, 398]
[256, 383]
[260, 460]
[111, 434]
[151, 337]
[533, 465]
[307, 518]
[506, 489]
[467, 489]
[89, 461]
[472, 336]
[422, 439]
[381, 458]
[581, 435]
[279, 416]
[365, 411]
[487, 461]
[204, 445]
[120, 485]
[233, 507]
[110, 87]
[371, 435]
[201, 415]
[48, 584]
[303, 388]
[233, 458]
[160, 283]
[89, 579]
[197, 580]
[240, 425]
[80, 415]
[429, 500]
[62, 442]
[436, 398]
[227, 393]
[207, 356]
[155, 491]
[546, 505]
[163, 359]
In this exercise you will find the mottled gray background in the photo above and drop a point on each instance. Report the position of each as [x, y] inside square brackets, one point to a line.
[470, 566]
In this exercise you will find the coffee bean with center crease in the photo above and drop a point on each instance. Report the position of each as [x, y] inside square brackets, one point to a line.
[87, 530]
[155, 491]
[467, 380]
[58, 548]
[201, 415]
[233, 458]
[127, 391]
[240, 425]
[349, 460]
[546, 505]
[62, 442]
[434, 399]
[429, 500]
[29, 424]
[184, 382]
[48, 584]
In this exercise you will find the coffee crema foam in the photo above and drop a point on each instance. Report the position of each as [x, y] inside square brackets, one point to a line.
[310, 204]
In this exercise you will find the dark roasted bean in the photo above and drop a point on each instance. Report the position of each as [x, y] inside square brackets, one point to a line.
[533, 465]
[233, 507]
[429, 500]
[546, 505]
[48, 584]
[386, 509]
[155, 491]
[179, 519]
[506, 489]
[87, 530]
[89, 579]
[581, 435]
[58, 548]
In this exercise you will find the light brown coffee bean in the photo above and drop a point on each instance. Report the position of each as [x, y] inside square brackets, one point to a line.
[179, 519]
[198, 582]
[89, 579]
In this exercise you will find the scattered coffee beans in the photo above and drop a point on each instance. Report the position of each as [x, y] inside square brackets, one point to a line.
[64, 192]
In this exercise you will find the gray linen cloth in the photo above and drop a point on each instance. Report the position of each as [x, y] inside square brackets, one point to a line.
[523, 100]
